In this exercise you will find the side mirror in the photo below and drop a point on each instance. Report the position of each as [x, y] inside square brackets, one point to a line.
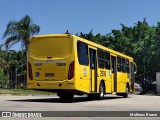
[135, 68]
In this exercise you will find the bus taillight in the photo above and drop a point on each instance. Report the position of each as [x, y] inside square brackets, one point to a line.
[30, 71]
[71, 70]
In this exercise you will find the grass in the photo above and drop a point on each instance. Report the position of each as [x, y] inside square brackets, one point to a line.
[24, 92]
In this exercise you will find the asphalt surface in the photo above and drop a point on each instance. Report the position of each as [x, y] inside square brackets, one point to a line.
[53, 103]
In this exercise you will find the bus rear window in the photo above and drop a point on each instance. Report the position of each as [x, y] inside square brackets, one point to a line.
[50, 47]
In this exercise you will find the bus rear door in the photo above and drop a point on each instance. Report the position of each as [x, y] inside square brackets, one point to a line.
[114, 74]
[93, 69]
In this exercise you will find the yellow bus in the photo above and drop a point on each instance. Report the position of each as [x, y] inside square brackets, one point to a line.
[70, 65]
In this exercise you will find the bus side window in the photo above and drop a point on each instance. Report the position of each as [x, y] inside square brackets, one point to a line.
[107, 60]
[82, 50]
[112, 64]
[119, 64]
[100, 58]
[123, 65]
[127, 65]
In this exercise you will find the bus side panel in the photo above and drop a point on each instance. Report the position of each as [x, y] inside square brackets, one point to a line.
[82, 73]
[121, 81]
[104, 74]
[83, 78]
[108, 81]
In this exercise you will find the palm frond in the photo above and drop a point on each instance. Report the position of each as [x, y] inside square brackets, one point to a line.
[11, 29]
[11, 41]
[26, 20]
[34, 29]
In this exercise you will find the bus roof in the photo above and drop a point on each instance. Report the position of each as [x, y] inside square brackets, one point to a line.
[86, 41]
[52, 35]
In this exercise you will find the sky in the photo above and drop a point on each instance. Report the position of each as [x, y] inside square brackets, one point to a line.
[57, 16]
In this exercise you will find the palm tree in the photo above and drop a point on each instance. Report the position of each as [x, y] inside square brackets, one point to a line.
[20, 31]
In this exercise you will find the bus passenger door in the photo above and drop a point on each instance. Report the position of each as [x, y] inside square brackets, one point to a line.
[93, 70]
[114, 74]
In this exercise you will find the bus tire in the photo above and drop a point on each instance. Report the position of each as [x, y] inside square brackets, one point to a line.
[100, 95]
[125, 95]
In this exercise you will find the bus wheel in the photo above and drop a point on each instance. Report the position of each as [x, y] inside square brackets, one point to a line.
[66, 97]
[100, 95]
[125, 95]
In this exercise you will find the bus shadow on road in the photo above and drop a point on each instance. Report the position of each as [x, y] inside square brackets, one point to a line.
[57, 100]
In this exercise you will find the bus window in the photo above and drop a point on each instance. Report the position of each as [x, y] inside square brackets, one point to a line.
[123, 65]
[107, 60]
[100, 58]
[119, 64]
[92, 58]
[101, 63]
[82, 50]
[127, 65]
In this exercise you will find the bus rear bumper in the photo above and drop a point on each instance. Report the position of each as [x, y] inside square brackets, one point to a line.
[50, 85]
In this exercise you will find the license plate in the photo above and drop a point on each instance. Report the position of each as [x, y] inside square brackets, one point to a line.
[49, 74]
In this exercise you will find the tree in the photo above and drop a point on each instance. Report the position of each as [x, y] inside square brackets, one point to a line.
[4, 66]
[20, 31]
[15, 60]
[3, 79]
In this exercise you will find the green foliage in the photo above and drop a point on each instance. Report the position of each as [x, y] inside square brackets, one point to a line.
[10, 61]
[4, 79]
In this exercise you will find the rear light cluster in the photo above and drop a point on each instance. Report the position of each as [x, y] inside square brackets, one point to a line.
[30, 71]
[71, 70]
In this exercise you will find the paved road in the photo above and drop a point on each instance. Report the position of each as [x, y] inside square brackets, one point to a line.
[53, 103]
